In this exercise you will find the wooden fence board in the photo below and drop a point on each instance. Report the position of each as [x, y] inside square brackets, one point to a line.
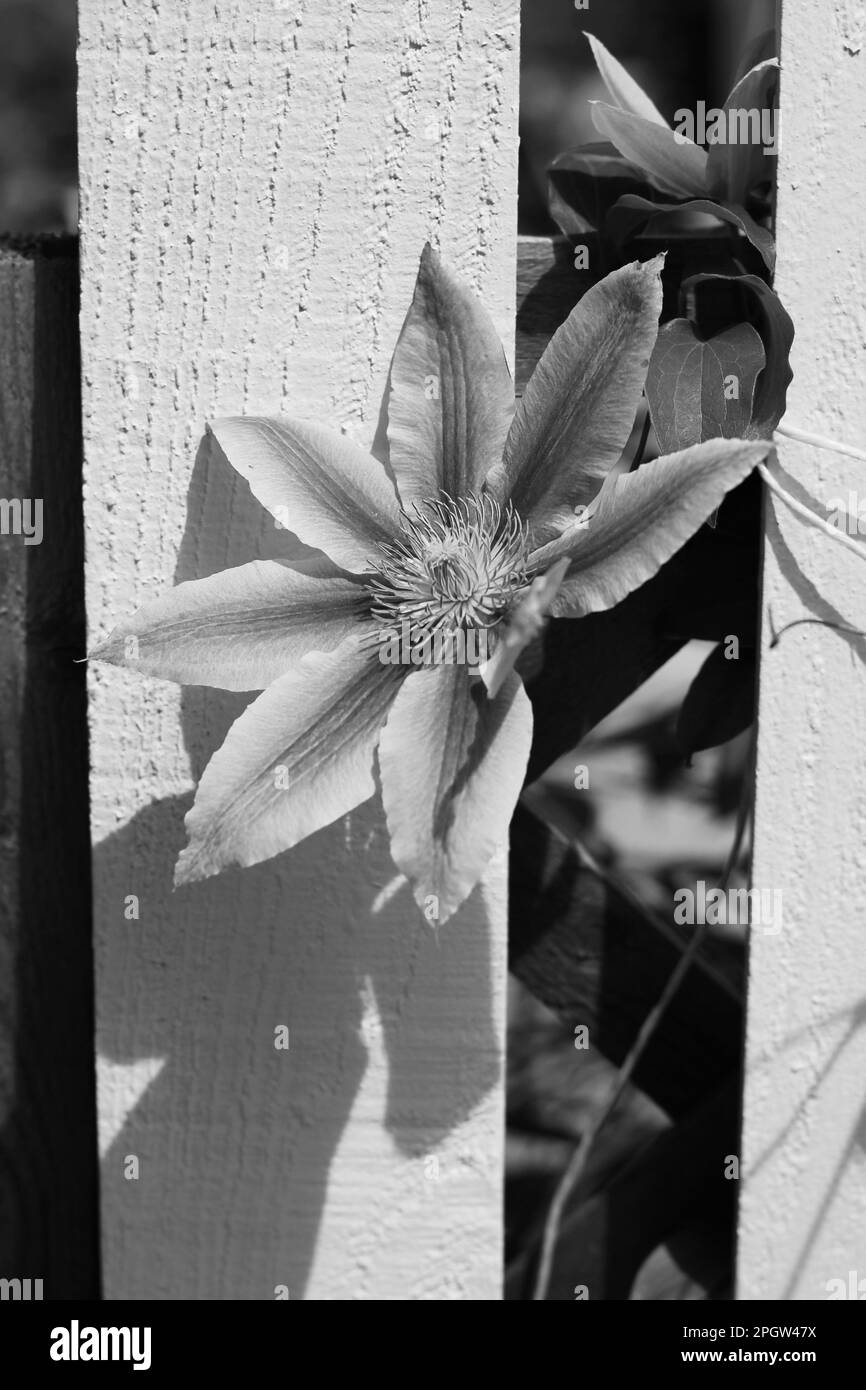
[258, 181]
[803, 1205]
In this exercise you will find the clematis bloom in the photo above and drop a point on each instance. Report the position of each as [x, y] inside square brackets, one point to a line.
[490, 518]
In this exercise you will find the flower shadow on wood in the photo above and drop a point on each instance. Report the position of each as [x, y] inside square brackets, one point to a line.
[236, 1138]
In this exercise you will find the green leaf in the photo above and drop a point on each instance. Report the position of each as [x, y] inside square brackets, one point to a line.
[695, 1262]
[676, 1178]
[452, 764]
[577, 412]
[297, 759]
[707, 590]
[240, 629]
[316, 483]
[577, 942]
[452, 398]
[633, 213]
[691, 383]
[720, 702]
[776, 328]
[672, 164]
[625, 93]
[583, 184]
[644, 519]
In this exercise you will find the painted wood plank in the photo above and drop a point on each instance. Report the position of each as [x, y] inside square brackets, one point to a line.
[803, 1205]
[48, 1199]
[259, 178]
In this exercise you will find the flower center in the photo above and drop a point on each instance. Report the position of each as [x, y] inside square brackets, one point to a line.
[458, 566]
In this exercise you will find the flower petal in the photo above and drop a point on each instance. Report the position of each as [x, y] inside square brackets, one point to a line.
[575, 416]
[672, 163]
[625, 93]
[643, 518]
[240, 629]
[317, 483]
[524, 625]
[735, 167]
[452, 397]
[452, 764]
[297, 759]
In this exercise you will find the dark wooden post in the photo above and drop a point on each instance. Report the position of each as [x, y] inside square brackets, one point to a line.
[48, 1208]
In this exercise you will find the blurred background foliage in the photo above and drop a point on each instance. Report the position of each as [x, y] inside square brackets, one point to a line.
[680, 51]
[651, 818]
[38, 175]
[647, 817]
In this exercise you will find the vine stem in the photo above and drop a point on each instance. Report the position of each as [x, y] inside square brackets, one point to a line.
[652, 918]
[807, 514]
[815, 622]
[577, 1163]
[820, 441]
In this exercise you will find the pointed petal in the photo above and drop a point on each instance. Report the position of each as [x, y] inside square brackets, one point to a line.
[644, 518]
[452, 764]
[575, 416]
[672, 163]
[734, 168]
[297, 759]
[452, 397]
[240, 629]
[316, 483]
[625, 93]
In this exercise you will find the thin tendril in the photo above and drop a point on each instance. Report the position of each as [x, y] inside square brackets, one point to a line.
[807, 514]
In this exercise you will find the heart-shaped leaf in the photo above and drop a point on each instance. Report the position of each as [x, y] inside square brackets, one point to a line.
[775, 325]
[702, 388]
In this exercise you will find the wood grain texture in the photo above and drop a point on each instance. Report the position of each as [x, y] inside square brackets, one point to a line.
[259, 178]
[548, 287]
[48, 1199]
[803, 1206]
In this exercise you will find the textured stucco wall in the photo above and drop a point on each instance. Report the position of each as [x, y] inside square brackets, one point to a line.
[803, 1211]
[258, 179]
